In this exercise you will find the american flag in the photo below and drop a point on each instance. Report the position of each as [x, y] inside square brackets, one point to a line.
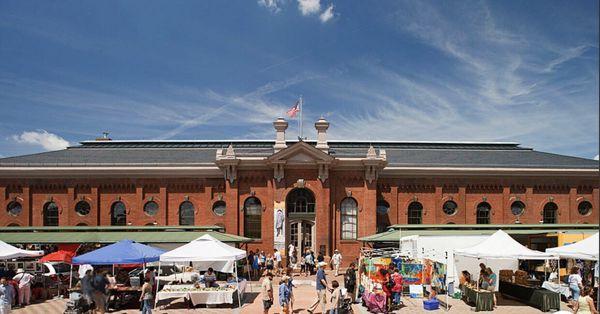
[294, 110]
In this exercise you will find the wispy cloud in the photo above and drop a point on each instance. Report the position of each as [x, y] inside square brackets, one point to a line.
[568, 54]
[42, 138]
[327, 14]
[308, 7]
[597, 157]
[274, 6]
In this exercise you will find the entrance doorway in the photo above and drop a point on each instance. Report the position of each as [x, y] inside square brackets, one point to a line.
[300, 209]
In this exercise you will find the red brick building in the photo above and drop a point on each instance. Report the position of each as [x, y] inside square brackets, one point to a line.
[321, 194]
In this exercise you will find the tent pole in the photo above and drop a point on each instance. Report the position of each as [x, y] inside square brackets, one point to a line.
[446, 284]
[157, 284]
[71, 278]
[237, 284]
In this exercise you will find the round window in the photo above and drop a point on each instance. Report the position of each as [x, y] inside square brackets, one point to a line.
[517, 208]
[382, 208]
[450, 208]
[584, 208]
[151, 208]
[82, 208]
[14, 208]
[219, 208]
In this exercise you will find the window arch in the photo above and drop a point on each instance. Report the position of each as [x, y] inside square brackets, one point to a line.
[13, 225]
[118, 214]
[584, 208]
[300, 200]
[50, 214]
[484, 211]
[252, 218]
[82, 224]
[549, 214]
[383, 218]
[14, 208]
[415, 213]
[187, 214]
[82, 208]
[349, 218]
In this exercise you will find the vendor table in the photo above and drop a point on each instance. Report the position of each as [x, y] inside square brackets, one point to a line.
[558, 288]
[198, 296]
[535, 296]
[483, 299]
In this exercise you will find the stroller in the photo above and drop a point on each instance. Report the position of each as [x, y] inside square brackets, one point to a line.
[346, 306]
[77, 304]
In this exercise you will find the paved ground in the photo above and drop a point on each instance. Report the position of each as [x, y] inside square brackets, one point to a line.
[304, 294]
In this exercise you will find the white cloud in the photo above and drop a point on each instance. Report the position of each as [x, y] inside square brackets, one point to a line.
[48, 141]
[327, 14]
[272, 5]
[308, 7]
[597, 157]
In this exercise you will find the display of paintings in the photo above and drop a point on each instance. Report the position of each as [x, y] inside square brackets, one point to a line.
[374, 265]
[438, 275]
[412, 274]
[427, 269]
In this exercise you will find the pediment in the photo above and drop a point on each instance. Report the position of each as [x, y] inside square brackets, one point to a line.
[302, 153]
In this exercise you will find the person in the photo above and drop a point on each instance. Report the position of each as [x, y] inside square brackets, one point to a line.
[387, 286]
[267, 291]
[277, 258]
[284, 294]
[308, 262]
[322, 287]
[291, 288]
[147, 295]
[482, 276]
[86, 286]
[350, 281]
[320, 257]
[336, 298]
[210, 278]
[10, 273]
[100, 284]
[491, 278]
[585, 304]
[262, 260]
[291, 253]
[255, 265]
[24, 281]
[270, 262]
[7, 295]
[336, 261]
[397, 288]
[465, 278]
[575, 284]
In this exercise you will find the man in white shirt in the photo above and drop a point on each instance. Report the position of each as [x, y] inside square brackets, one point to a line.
[291, 249]
[24, 280]
[336, 261]
[277, 257]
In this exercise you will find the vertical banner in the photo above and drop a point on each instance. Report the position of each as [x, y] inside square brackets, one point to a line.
[279, 227]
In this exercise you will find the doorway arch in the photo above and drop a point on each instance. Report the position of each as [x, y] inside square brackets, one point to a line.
[300, 211]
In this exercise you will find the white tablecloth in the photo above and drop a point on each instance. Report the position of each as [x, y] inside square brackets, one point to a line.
[555, 287]
[200, 297]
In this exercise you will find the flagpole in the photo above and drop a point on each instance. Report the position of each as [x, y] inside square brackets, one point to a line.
[301, 118]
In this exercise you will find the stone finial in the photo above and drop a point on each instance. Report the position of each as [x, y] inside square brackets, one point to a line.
[371, 154]
[280, 126]
[322, 125]
[230, 152]
[382, 154]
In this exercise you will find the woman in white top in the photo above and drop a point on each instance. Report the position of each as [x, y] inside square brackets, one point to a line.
[585, 303]
[575, 284]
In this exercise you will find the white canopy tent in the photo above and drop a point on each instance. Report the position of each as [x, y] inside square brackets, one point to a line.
[499, 251]
[8, 251]
[586, 249]
[205, 252]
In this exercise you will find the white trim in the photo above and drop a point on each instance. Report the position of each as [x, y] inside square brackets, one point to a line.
[394, 171]
[271, 140]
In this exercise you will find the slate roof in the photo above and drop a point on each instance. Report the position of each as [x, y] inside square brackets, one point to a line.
[399, 154]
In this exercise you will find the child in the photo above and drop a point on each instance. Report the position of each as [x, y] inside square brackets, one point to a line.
[284, 294]
[336, 297]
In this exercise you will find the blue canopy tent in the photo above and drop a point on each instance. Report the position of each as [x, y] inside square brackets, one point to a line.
[122, 252]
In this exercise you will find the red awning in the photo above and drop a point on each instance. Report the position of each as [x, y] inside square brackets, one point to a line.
[58, 256]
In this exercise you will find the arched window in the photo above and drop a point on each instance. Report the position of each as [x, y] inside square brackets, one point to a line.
[118, 214]
[383, 218]
[300, 201]
[14, 208]
[450, 208]
[82, 208]
[584, 208]
[219, 208]
[252, 218]
[415, 213]
[549, 213]
[50, 214]
[82, 224]
[349, 218]
[151, 208]
[13, 225]
[187, 214]
[484, 211]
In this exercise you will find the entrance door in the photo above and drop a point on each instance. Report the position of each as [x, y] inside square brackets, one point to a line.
[302, 235]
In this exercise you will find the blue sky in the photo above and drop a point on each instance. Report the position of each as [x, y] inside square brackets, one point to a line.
[524, 71]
